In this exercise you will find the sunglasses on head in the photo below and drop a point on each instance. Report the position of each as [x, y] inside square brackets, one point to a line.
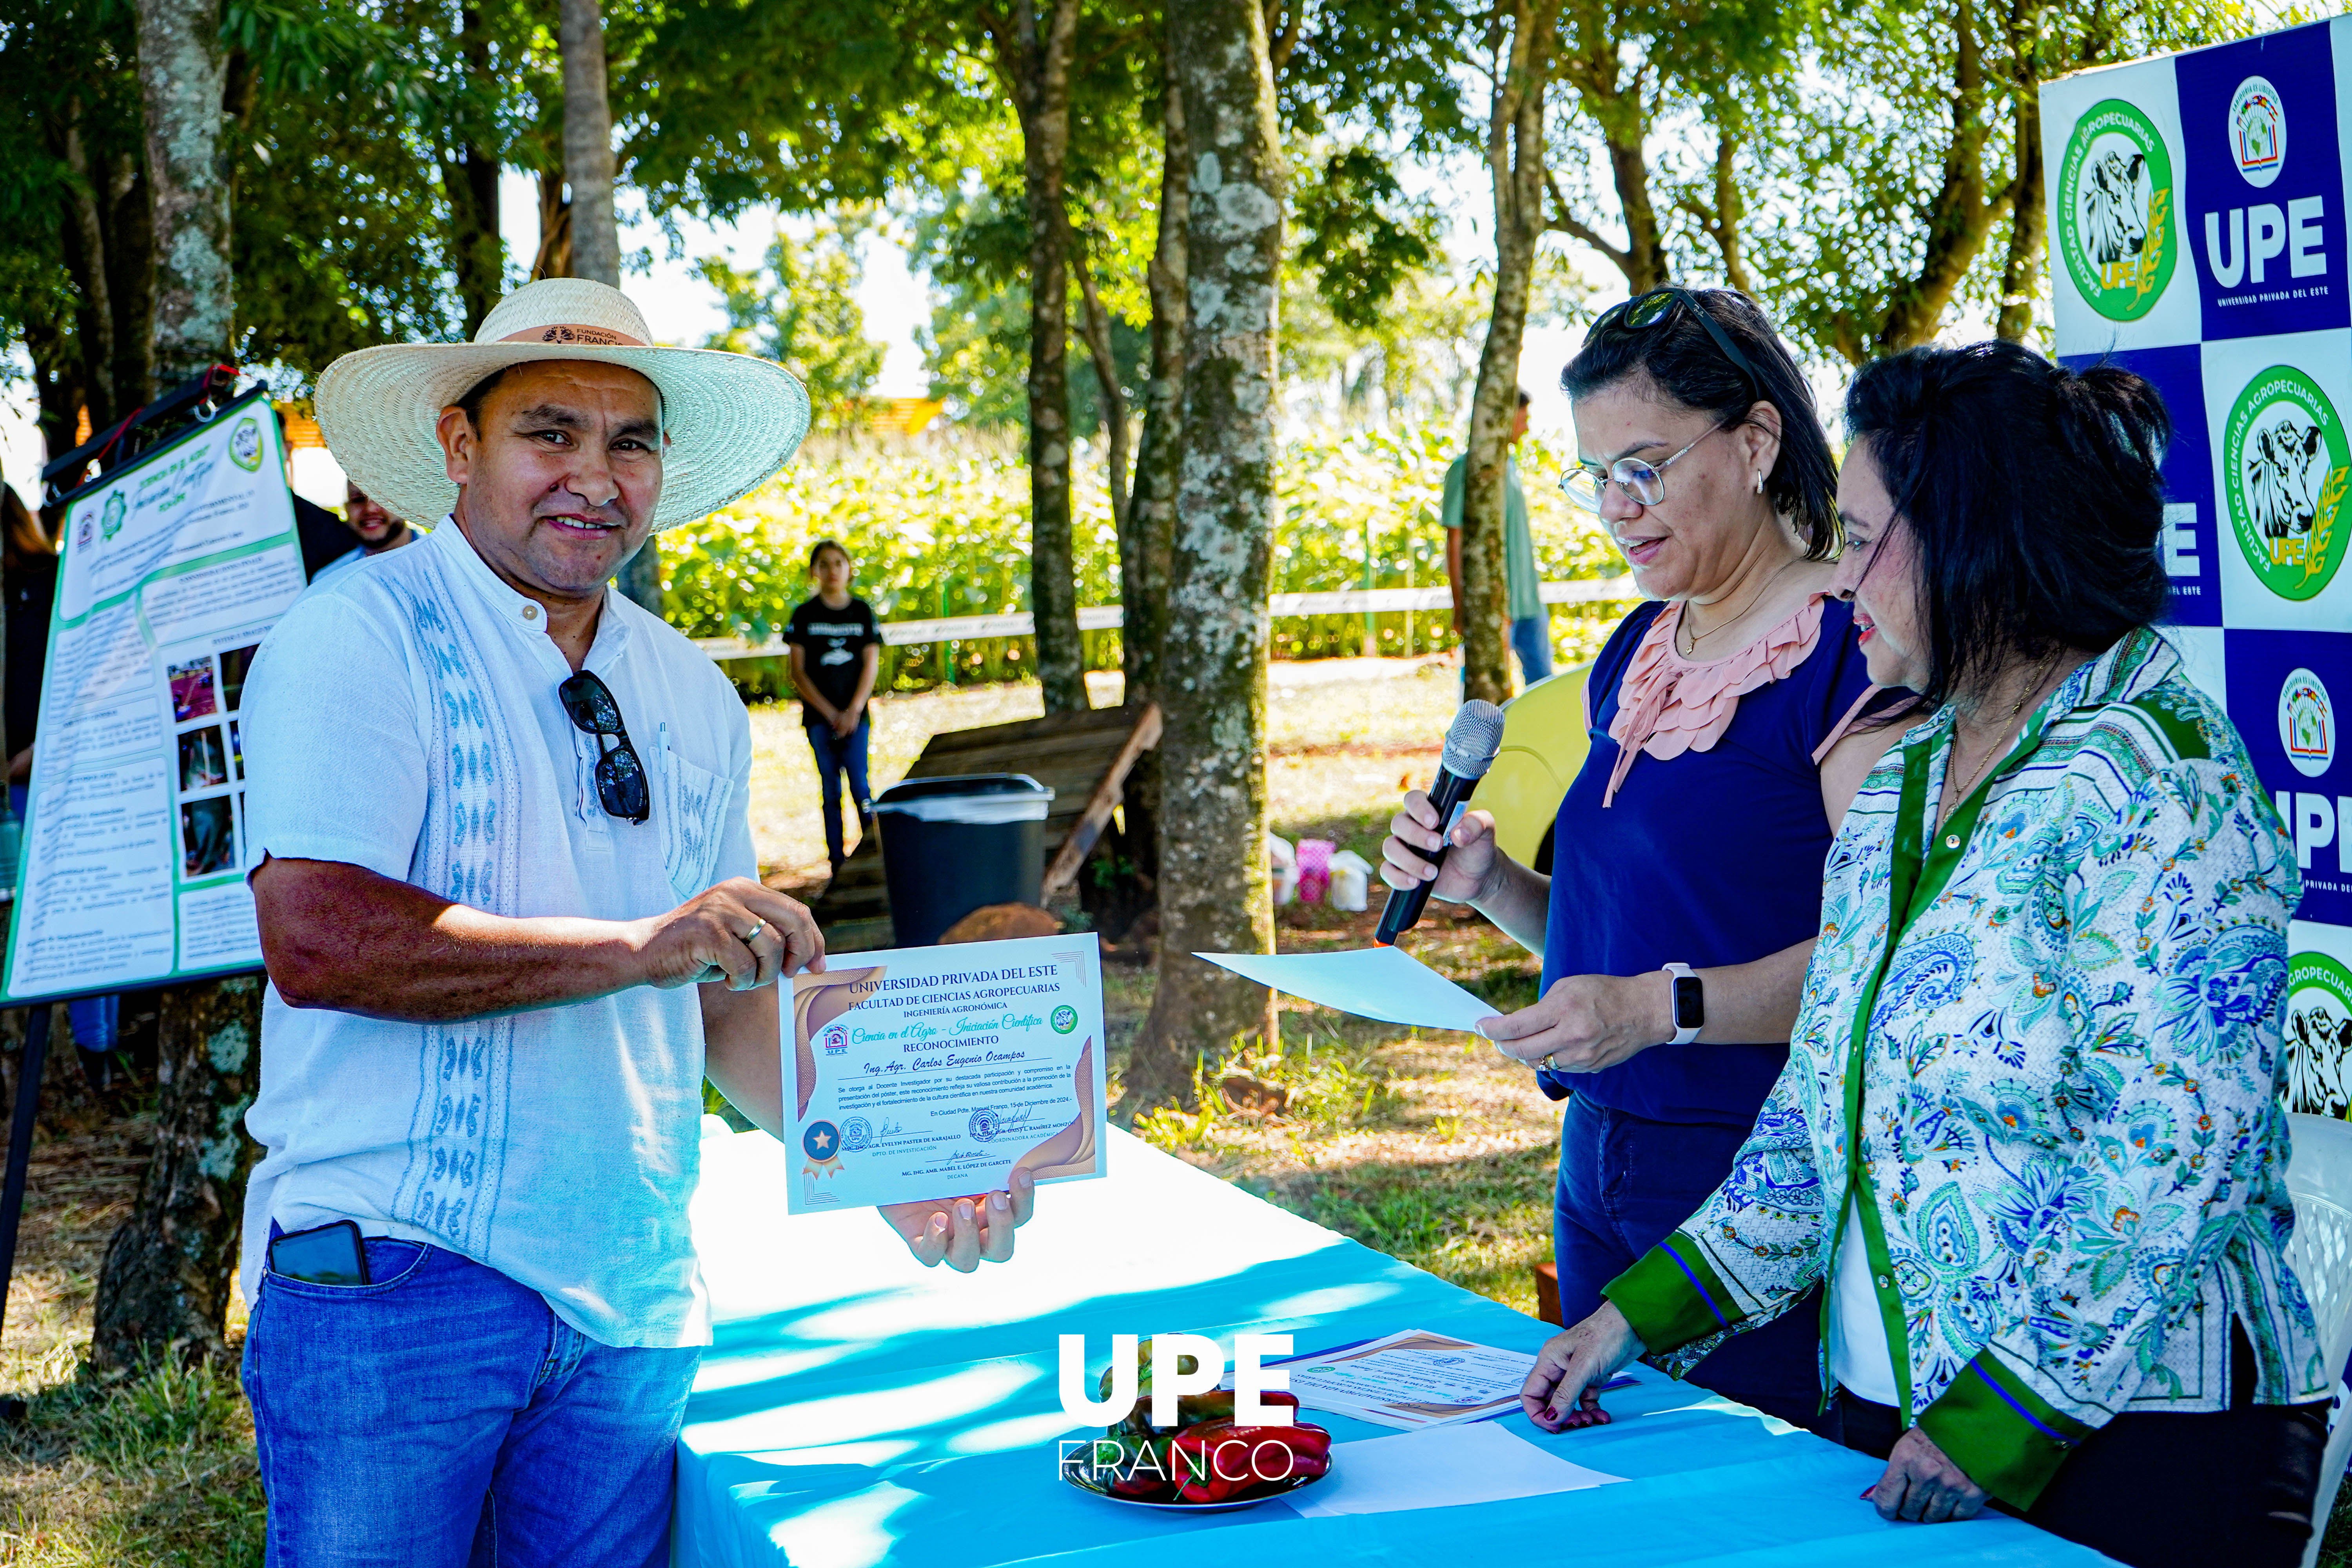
[1647, 482]
[620, 774]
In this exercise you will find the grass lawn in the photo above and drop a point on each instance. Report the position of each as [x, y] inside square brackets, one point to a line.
[1434, 1148]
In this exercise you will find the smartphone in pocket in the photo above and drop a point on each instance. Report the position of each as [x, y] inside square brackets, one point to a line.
[325, 1255]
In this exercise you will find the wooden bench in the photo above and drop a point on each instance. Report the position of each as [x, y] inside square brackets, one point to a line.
[1084, 758]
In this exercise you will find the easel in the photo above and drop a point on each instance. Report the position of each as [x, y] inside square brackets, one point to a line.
[192, 401]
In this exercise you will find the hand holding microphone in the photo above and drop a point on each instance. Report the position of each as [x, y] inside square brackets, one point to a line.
[1419, 857]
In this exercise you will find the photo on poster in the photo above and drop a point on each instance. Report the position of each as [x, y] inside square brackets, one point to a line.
[2265, 184]
[2274, 410]
[236, 748]
[203, 762]
[207, 836]
[234, 664]
[244, 840]
[192, 690]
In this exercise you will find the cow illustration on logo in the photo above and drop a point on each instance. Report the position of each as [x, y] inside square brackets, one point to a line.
[2257, 131]
[2306, 722]
[244, 444]
[2286, 466]
[2114, 218]
[2318, 1035]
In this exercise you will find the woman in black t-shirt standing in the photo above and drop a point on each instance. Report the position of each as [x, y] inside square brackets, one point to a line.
[837, 651]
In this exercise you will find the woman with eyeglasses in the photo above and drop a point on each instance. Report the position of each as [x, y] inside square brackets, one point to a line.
[2028, 1138]
[1685, 888]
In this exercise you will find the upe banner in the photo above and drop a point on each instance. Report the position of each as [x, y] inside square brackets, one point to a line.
[2197, 211]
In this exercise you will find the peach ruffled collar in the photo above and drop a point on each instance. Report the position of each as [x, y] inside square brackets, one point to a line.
[1668, 704]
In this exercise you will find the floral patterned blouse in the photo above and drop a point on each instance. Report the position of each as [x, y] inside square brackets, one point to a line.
[2039, 1053]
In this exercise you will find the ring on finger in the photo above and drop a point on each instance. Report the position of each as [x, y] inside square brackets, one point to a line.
[752, 935]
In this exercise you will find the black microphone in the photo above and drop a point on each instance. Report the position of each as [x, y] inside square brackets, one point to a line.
[1471, 742]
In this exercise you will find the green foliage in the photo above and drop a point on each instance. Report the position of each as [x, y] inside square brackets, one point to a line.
[1359, 236]
[799, 308]
[941, 528]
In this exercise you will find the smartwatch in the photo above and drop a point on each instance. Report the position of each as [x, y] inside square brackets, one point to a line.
[1690, 1004]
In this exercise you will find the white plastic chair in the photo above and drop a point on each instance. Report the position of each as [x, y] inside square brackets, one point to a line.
[2320, 1252]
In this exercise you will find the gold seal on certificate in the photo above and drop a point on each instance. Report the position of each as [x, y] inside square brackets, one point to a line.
[929, 1072]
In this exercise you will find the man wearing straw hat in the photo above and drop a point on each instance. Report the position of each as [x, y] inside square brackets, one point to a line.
[511, 918]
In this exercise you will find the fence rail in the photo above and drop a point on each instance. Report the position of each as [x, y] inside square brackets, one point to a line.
[1107, 617]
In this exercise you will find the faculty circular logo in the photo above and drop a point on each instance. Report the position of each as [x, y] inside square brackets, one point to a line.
[2287, 465]
[821, 1141]
[244, 444]
[985, 1125]
[110, 523]
[856, 1132]
[2115, 220]
[2257, 130]
[2306, 723]
[1064, 1020]
[2318, 1034]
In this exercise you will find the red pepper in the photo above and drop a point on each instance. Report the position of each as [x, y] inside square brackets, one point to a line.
[1216, 1460]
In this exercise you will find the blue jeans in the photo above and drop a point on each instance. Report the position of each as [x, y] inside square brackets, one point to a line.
[1625, 1185]
[1531, 640]
[834, 754]
[444, 1416]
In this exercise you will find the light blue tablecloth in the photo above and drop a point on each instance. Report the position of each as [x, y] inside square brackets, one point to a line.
[858, 1410]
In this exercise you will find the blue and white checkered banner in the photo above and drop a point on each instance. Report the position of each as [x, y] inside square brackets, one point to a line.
[2196, 231]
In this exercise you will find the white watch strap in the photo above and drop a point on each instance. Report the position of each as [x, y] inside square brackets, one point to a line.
[1676, 972]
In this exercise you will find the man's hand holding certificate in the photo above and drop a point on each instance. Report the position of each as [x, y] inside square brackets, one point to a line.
[915, 1071]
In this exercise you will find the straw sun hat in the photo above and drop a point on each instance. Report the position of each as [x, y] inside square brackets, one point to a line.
[732, 420]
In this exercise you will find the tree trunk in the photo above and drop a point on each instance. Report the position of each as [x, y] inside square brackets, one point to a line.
[1145, 543]
[469, 180]
[2026, 217]
[165, 1288]
[1213, 891]
[1114, 398]
[183, 76]
[1962, 216]
[1595, 68]
[554, 258]
[1515, 166]
[1034, 58]
[588, 144]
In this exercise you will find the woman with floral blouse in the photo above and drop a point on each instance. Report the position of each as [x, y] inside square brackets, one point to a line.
[2029, 1139]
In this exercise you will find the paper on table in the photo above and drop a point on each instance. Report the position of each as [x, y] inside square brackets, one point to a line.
[1384, 983]
[1412, 1379]
[1443, 1467]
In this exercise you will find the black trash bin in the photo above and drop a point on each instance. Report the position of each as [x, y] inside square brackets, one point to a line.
[955, 845]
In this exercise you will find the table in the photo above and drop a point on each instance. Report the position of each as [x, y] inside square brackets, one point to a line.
[857, 1410]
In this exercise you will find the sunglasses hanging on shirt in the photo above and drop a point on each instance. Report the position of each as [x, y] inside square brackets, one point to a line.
[620, 774]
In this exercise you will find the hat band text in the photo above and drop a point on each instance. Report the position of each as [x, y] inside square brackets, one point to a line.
[600, 337]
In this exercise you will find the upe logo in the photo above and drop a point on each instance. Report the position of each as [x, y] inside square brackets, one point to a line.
[2115, 222]
[244, 444]
[2318, 1035]
[1171, 1383]
[2257, 130]
[2288, 464]
[2306, 723]
[834, 1040]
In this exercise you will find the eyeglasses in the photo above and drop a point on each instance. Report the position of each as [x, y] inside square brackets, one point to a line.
[1658, 305]
[1644, 482]
[620, 774]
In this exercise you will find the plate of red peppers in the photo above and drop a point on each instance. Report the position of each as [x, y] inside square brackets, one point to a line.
[1207, 1462]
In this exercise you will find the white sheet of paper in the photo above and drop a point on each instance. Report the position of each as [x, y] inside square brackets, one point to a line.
[1384, 983]
[1443, 1467]
[922, 1071]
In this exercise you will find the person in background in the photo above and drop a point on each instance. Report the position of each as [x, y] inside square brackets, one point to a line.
[325, 538]
[837, 652]
[2030, 1138]
[378, 532]
[28, 580]
[1523, 581]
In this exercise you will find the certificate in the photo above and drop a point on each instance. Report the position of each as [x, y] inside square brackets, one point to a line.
[935, 1072]
[1413, 1380]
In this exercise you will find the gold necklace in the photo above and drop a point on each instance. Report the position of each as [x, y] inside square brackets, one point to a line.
[1698, 637]
[1994, 750]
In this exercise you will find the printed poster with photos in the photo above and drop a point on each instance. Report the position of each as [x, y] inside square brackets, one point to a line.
[2197, 225]
[135, 849]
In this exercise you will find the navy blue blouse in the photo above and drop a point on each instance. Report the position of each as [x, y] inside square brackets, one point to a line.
[1711, 858]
